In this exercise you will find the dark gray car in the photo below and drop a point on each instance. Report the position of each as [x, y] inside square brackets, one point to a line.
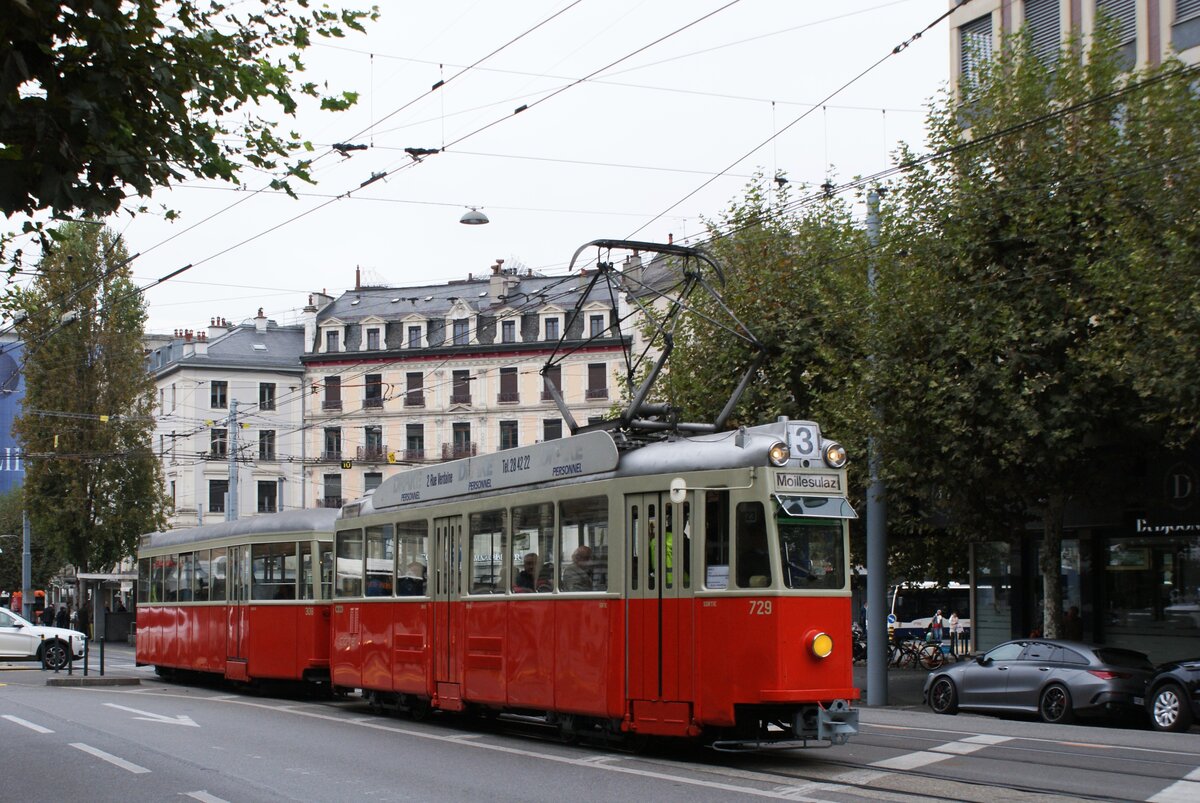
[1055, 679]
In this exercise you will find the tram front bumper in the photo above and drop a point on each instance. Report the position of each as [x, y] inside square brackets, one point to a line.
[834, 723]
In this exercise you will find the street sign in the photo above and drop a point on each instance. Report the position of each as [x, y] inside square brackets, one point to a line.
[347, 464]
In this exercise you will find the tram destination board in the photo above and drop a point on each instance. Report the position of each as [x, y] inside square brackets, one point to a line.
[579, 455]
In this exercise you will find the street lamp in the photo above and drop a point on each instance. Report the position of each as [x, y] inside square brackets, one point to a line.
[474, 218]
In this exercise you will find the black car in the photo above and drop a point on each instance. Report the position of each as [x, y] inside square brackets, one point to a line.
[1055, 679]
[1173, 696]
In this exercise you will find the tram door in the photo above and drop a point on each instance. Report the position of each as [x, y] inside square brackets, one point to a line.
[660, 628]
[238, 588]
[447, 626]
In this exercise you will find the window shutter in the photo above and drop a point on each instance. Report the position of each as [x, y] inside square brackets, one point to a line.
[1042, 17]
[975, 46]
[1124, 12]
[1185, 9]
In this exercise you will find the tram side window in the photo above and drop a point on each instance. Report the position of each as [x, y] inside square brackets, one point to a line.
[306, 571]
[716, 539]
[200, 579]
[349, 552]
[187, 575]
[533, 548]
[216, 572]
[412, 558]
[143, 582]
[274, 571]
[326, 562]
[753, 560]
[381, 560]
[811, 553]
[171, 562]
[583, 529]
[487, 552]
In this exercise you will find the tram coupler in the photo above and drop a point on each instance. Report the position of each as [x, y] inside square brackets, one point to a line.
[836, 722]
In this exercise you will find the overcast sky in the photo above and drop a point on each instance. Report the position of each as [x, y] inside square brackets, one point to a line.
[611, 157]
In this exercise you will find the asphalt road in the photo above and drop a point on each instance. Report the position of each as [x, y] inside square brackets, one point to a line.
[160, 741]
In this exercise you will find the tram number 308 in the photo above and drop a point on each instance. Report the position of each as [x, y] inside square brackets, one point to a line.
[760, 607]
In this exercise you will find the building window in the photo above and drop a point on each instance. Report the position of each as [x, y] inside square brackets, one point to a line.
[508, 434]
[508, 331]
[333, 444]
[597, 387]
[1043, 17]
[461, 445]
[266, 444]
[552, 328]
[266, 395]
[550, 374]
[217, 491]
[1185, 33]
[331, 341]
[218, 397]
[373, 340]
[414, 337]
[508, 386]
[414, 442]
[268, 496]
[460, 387]
[373, 396]
[333, 393]
[219, 441]
[372, 480]
[1124, 14]
[462, 331]
[414, 389]
[551, 429]
[372, 450]
[596, 325]
[332, 496]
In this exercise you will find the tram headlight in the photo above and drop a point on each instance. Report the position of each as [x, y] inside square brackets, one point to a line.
[835, 455]
[779, 454]
[819, 643]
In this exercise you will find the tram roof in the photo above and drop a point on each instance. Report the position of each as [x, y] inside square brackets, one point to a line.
[312, 520]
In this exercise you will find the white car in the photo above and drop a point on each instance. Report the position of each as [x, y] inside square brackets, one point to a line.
[22, 640]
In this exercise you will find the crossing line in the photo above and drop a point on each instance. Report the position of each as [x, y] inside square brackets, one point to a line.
[1186, 790]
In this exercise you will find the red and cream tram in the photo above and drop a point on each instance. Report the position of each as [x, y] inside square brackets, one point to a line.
[696, 585]
[247, 599]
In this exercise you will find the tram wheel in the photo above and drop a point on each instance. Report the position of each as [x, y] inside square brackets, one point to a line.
[419, 709]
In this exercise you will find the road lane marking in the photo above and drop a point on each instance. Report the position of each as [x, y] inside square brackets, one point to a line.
[110, 758]
[922, 758]
[1036, 740]
[1186, 790]
[911, 761]
[27, 724]
[182, 719]
[205, 797]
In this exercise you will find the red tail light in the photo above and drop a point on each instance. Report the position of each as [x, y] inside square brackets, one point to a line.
[1105, 674]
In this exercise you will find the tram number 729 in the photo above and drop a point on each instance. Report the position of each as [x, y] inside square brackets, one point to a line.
[760, 607]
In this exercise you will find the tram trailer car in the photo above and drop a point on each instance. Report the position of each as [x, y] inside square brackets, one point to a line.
[245, 599]
[696, 586]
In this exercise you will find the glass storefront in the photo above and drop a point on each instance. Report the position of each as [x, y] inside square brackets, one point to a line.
[1152, 595]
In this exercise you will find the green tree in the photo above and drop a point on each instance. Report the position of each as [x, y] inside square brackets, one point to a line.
[100, 98]
[92, 483]
[1003, 263]
[45, 558]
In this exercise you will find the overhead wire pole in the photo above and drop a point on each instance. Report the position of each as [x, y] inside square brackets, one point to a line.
[231, 507]
[877, 656]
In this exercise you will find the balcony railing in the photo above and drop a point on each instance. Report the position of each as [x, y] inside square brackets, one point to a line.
[547, 396]
[373, 402]
[412, 455]
[414, 400]
[508, 398]
[596, 393]
[372, 454]
[329, 501]
[331, 456]
[460, 398]
[331, 404]
[457, 450]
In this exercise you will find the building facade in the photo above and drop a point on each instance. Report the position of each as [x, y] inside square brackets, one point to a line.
[233, 390]
[1148, 30]
[398, 377]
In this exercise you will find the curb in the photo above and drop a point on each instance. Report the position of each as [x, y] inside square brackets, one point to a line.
[93, 681]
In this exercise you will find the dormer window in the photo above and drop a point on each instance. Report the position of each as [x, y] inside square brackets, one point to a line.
[596, 325]
[552, 328]
[414, 332]
[372, 340]
[462, 331]
[331, 341]
[508, 331]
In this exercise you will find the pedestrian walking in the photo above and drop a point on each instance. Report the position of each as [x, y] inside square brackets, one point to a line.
[62, 618]
[955, 629]
[935, 625]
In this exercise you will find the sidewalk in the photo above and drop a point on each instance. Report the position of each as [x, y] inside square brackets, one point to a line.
[904, 686]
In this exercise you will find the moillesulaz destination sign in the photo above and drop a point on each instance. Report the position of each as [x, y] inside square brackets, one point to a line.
[792, 482]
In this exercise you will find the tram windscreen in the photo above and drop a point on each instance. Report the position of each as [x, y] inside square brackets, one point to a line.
[812, 553]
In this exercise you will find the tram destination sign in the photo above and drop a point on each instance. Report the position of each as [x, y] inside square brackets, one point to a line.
[814, 483]
[576, 456]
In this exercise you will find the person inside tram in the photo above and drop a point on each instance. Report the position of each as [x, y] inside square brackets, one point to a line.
[753, 561]
[577, 576]
[412, 582]
[530, 579]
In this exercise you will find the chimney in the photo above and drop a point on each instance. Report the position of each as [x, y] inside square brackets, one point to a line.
[670, 239]
[260, 322]
[216, 328]
[357, 278]
[500, 282]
